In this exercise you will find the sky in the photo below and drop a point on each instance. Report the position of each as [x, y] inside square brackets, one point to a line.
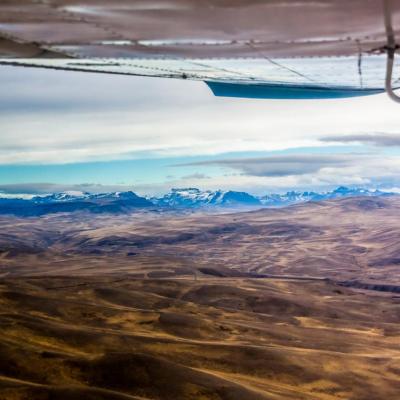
[64, 130]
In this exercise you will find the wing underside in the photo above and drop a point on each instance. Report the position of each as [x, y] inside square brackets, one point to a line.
[326, 44]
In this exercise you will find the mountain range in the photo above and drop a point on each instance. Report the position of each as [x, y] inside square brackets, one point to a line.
[192, 197]
[186, 198]
[118, 202]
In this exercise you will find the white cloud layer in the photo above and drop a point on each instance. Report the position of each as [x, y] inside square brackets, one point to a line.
[54, 117]
[352, 170]
[65, 117]
[327, 172]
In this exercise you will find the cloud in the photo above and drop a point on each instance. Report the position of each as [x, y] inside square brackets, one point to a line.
[376, 139]
[29, 90]
[280, 165]
[56, 117]
[326, 172]
[263, 175]
[52, 118]
[196, 175]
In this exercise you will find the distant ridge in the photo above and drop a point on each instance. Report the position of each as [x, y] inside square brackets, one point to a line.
[292, 197]
[116, 202]
[193, 197]
[178, 198]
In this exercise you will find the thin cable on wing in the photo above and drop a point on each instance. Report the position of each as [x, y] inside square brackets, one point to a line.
[223, 70]
[263, 55]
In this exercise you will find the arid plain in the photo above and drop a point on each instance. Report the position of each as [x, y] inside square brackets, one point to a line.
[301, 302]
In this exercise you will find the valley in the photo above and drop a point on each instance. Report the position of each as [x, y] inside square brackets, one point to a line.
[287, 303]
[342, 239]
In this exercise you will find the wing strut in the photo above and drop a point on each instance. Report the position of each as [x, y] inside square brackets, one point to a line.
[391, 48]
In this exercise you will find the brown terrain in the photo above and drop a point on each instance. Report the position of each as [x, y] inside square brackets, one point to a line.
[294, 303]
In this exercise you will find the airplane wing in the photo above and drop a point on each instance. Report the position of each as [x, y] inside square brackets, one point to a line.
[241, 48]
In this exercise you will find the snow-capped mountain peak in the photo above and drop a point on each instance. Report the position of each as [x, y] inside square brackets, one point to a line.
[70, 195]
[193, 197]
[301, 197]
